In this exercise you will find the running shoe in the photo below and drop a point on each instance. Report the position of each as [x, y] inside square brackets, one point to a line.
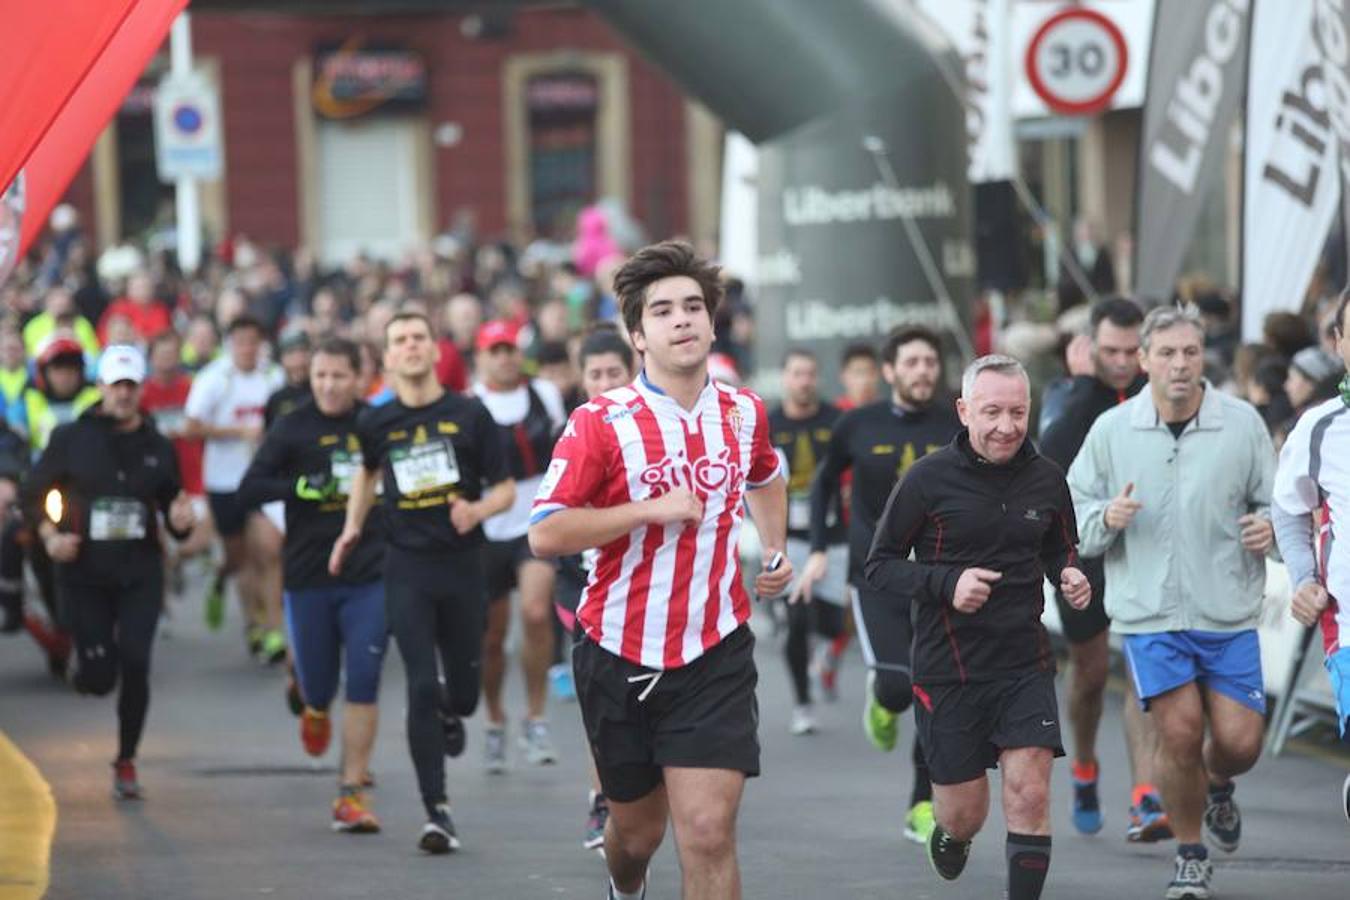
[827, 671]
[1087, 808]
[595, 823]
[494, 749]
[125, 785]
[351, 815]
[438, 835]
[316, 730]
[273, 649]
[453, 726]
[920, 822]
[1148, 821]
[1223, 819]
[560, 682]
[610, 895]
[253, 639]
[947, 855]
[537, 742]
[1192, 879]
[1345, 797]
[215, 603]
[294, 702]
[881, 726]
[802, 721]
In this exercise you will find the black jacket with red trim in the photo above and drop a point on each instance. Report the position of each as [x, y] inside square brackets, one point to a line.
[956, 511]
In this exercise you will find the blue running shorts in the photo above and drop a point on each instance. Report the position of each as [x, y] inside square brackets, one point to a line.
[1225, 661]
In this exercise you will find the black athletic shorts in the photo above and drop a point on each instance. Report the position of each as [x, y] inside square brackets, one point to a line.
[228, 513]
[700, 716]
[501, 563]
[964, 727]
[1081, 625]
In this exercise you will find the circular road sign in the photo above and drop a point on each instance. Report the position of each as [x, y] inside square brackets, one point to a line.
[1076, 61]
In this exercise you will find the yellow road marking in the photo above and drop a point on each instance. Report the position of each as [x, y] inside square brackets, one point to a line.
[27, 823]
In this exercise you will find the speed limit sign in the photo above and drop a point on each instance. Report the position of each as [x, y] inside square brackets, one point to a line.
[1076, 61]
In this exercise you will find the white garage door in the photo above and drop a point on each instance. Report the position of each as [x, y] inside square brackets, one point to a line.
[368, 190]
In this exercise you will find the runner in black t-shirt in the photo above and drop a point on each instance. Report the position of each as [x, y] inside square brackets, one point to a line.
[307, 460]
[801, 428]
[444, 472]
[879, 443]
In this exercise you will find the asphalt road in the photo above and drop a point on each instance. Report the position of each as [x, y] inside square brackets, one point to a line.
[235, 809]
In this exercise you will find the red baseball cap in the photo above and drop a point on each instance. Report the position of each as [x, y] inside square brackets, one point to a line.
[497, 332]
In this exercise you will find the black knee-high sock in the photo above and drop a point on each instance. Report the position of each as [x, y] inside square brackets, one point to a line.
[1028, 863]
[923, 785]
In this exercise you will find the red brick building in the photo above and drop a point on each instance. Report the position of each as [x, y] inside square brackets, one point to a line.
[374, 132]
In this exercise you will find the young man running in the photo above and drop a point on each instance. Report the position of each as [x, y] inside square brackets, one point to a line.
[444, 473]
[606, 363]
[529, 415]
[225, 409]
[307, 460]
[802, 426]
[987, 520]
[878, 443]
[658, 476]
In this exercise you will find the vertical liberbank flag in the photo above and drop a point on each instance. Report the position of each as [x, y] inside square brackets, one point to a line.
[981, 31]
[1196, 71]
[110, 68]
[1291, 184]
[1331, 30]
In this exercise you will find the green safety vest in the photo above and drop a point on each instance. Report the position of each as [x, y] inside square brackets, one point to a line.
[44, 416]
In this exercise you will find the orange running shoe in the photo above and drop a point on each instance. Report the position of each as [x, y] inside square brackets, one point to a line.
[350, 814]
[315, 731]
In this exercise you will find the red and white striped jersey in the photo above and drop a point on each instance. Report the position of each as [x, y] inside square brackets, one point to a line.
[662, 595]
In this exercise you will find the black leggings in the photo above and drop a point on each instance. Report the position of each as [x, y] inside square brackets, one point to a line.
[820, 617]
[436, 606]
[114, 629]
[886, 635]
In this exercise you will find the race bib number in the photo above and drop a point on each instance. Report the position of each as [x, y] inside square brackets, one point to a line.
[117, 519]
[342, 466]
[424, 467]
[170, 421]
[799, 513]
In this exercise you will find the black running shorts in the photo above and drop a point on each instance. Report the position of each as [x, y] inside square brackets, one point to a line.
[964, 727]
[501, 565]
[700, 716]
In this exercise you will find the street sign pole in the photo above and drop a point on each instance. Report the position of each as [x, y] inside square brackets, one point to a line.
[189, 214]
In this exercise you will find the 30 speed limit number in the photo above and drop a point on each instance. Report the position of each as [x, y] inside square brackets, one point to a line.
[1077, 61]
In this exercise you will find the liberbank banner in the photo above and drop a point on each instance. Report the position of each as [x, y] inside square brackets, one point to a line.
[835, 263]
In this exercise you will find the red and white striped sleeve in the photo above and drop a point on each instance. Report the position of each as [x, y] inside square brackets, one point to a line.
[576, 473]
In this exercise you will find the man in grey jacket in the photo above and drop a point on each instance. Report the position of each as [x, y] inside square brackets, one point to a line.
[1173, 489]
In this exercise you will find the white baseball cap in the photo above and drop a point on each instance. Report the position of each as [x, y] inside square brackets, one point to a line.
[121, 362]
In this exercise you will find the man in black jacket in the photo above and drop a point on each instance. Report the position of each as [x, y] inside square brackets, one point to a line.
[988, 519]
[1116, 378]
[112, 472]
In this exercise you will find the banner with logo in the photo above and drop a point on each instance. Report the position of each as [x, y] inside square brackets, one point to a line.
[1331, 31]
[1196, 76]
[1291, 181]
[981, 33]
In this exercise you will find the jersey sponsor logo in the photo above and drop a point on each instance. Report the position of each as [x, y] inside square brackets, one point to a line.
[1032, 515]
[883, 449]
[552, 476]
[447, 428]
[703, 477]
[420, 435]
[398, 435]
[615, 414]
[328, 440]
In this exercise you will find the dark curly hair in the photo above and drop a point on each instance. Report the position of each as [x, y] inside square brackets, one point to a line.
[649, 265]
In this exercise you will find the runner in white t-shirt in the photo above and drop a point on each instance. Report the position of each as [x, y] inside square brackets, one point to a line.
[225, 408]
[529, 416]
